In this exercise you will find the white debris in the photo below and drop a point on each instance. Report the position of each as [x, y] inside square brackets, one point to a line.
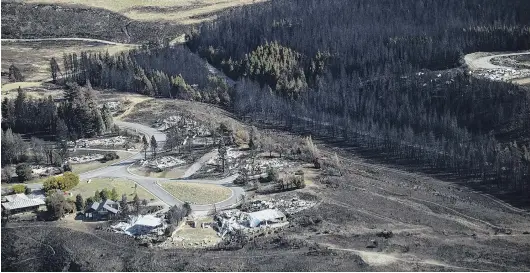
[190, 126]
[84, 158]
[106, 142]
[45, 170]
[290, 206]
[163, 162]
[140, 225]
[113, 106]
[232, 220]
[502, 74]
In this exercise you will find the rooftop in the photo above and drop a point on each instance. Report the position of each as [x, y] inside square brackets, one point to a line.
[19, 201]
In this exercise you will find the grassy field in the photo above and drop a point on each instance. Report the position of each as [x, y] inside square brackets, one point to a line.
[13, 86]
[123, 186]
[199, 194]
[33, 58]
[176, 11]
[89, 166]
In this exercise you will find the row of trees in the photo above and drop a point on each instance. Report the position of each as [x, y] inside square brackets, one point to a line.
[436, 140]
[359, 72]
[150, 72]
[76, 117]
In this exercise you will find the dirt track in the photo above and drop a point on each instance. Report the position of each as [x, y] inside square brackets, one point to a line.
[476, 61]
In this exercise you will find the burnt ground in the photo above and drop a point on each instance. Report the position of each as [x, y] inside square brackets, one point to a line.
[435, 226]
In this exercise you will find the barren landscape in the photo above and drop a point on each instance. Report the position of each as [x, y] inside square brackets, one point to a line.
[154, 144]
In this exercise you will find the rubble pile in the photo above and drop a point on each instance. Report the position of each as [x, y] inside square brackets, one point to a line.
[290, 206]
[113, 106]
[84, 158]
[143, 225]
[107, 142]
[231, 220]
[276, 163]
[251, 223]
[189, 125]
[45, 170]
[163, 162]
[232, 157]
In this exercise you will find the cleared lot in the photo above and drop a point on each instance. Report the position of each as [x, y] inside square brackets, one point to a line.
[199, 194]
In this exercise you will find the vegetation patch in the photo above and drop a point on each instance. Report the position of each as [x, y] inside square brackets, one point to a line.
[33, 58]
[200, 194]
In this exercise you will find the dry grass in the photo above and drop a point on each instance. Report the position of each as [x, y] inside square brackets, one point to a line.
[200, 194]
[123, 186]
[177, 11]
[33, 58]
[15, 85]
[36, 90]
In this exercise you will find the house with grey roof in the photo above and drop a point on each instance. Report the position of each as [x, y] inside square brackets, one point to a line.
[18, 203]
[107, 209]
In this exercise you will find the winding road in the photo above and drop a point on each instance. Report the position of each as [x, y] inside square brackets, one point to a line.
[68, 39]
[485, 61]
[120, 170]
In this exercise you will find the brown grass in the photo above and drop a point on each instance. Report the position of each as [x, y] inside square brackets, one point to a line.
[177, 11]
[33, 58]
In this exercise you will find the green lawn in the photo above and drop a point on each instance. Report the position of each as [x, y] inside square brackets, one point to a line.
[123, 186]
[89, 166]
[200, 194]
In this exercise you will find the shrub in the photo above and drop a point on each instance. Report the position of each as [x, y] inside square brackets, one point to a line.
[240, 180]
[65, 182]
[114, 195]
[110, 156]
[67, 168]
[24, 172]
[298, 182]
[89, 201]
[272, 174]
[79, 202]
[242, 136]
[7, 174]
[19, 188]
[105, 194]
[58, 206]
